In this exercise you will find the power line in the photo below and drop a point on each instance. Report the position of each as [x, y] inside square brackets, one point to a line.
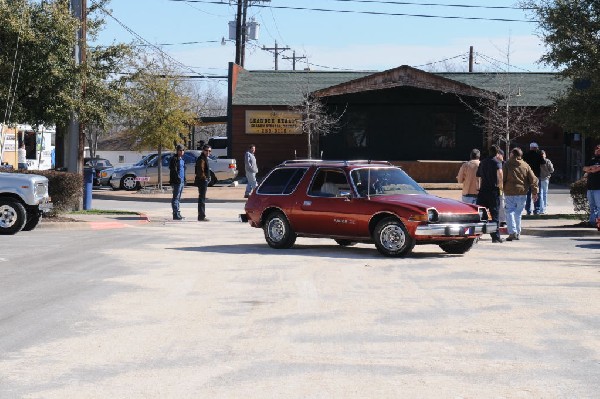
[369, 12]
[434, 4]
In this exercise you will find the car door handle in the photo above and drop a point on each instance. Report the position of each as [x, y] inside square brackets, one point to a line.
[307, 203]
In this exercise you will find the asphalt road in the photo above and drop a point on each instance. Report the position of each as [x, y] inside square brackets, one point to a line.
[207, 310]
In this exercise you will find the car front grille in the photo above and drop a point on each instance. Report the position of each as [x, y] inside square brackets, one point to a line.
[459, 218]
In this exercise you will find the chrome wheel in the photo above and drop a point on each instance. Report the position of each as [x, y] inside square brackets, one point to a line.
[128, 183]
[391, 237]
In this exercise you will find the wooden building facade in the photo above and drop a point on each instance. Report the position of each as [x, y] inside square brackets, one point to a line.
[423, 121]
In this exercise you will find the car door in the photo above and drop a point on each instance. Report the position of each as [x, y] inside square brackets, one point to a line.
[327, 209]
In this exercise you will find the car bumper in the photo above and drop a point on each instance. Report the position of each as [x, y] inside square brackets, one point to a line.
[456, 229]
[226, 175]
[115, 183]
[45, 206]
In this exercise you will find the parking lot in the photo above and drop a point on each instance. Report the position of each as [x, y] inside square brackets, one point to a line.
[186, 310]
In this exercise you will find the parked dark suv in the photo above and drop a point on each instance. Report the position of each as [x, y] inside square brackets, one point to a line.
[360, 201]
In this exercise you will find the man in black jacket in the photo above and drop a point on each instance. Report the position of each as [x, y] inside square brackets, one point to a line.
[490, 172]
[177, 177]
[535, 159]
[202, 180]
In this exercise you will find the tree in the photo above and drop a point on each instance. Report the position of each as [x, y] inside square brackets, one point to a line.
[161, 108]
[506, 116]
[571, 31]
[315, 121]
[37, 65]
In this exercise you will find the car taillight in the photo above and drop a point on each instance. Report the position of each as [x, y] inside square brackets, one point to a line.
[231, 166]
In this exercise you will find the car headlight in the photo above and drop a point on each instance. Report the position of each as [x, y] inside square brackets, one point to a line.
[432, 215]
[483, 214]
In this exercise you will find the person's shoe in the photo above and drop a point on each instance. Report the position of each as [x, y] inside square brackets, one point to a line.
[498, 240]
[203, 219]
[178, 217]
[512, 236]
[246, 195]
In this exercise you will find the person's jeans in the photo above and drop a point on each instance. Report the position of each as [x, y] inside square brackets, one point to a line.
[202, 188]
[514, 208]
[593, 197]
[251, 177]
[536, 204]
[177, 190]
[469, 199]
[491, 200]
[543, 196]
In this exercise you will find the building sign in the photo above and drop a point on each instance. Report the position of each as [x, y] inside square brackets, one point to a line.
[273, 122]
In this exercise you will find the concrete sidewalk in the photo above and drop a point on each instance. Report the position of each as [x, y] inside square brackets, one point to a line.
[552, 224]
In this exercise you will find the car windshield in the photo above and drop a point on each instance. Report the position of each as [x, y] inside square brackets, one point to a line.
[145, 159]
[384, 181]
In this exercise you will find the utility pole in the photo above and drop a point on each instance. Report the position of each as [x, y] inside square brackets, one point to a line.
[241, 29]
[75, 131]
[293, 58]
[471, 59]
[276, 50]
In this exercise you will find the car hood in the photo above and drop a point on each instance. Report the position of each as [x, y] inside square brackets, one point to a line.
[129, 168]
[423, 201]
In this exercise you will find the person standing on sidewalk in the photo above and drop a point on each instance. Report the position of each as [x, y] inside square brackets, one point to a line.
[202, 179]
[592, 168]
[546, 171]
[22, 157]
[251, 169]
[177, 179]
[490, 172]
[518, 179]
[534, 158]
[467, 175]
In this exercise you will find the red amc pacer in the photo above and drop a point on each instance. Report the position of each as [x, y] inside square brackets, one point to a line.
[360, 201]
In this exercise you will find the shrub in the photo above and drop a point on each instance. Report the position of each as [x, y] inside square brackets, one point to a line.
[579, 196]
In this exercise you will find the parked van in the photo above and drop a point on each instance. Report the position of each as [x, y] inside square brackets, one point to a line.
[219, 146]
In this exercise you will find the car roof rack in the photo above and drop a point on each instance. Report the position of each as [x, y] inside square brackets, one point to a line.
[343, 162]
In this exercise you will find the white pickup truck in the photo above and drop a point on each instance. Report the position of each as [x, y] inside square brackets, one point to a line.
[23, 200]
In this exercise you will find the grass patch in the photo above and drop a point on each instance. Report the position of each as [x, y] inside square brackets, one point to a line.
[102, 212]
[571, 216]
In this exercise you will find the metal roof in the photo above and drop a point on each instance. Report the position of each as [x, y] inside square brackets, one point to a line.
[286, 87]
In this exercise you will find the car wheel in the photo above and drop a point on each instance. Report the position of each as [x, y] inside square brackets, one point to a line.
[128, 183]
[213, 179]
[391, 238]
[278, 232]
[12, 216]
[345, 243]
[458, 247]
[33, 219]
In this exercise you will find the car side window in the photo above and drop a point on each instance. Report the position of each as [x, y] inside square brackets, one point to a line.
[329, 183]
[281, 181]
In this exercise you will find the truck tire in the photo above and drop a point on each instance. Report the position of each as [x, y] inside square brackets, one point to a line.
[33, 219]
[12, 216]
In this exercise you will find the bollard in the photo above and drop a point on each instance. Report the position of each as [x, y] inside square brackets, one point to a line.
[88, 184]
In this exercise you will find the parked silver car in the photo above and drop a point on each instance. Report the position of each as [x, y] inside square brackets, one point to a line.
[145, 172]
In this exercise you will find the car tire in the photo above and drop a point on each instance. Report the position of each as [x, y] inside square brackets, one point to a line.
[458, 247]
[33, 219]
[391, 238]
[213, 179]
[278, 232]
[345, 243]
[128, 183]
[12, 216]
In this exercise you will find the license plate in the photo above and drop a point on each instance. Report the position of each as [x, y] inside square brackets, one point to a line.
[469, 231]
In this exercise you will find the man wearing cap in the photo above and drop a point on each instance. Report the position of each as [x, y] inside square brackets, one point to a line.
[177, 178]
[535, 160]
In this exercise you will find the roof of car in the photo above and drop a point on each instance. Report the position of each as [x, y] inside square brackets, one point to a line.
[336, 163]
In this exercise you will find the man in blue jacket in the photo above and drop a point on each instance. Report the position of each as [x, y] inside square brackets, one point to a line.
[177, 178]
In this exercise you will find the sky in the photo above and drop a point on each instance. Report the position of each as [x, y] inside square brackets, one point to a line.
[433, 35]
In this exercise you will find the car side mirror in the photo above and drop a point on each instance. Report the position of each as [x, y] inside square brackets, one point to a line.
[345, 193]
